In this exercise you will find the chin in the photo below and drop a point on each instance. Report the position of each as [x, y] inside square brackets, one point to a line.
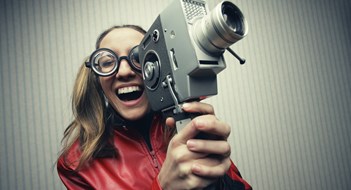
[133, 117]
[132, 110]
[134, 114]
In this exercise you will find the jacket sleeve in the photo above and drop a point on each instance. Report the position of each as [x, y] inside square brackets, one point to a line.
[70, 178]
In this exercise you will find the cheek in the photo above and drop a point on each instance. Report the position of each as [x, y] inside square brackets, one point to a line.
[106, 84]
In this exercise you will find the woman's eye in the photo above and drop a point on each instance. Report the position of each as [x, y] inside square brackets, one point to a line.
[107, 64]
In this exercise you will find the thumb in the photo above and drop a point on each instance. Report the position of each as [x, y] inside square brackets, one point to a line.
[170, 122]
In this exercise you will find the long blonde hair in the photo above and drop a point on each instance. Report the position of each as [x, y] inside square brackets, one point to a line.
[88, 125]
[89, 111]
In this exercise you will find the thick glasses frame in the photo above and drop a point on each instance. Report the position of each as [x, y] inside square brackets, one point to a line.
[132, 59]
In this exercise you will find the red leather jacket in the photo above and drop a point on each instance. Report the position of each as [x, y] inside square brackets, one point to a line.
[135, 166]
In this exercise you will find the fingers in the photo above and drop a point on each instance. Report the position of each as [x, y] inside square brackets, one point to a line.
[193, 107]
[181, 154]
[198, 107]
[196, 182]
[217, 162]
[208, 124]
[193, 162]
[211, 170]
[211, 125]
[221, 148]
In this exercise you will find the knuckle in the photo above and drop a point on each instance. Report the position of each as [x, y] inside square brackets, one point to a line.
[178, 158]
[211, 109]
[222, 168]
[183, 172]
[227, 149]
[227, 130]
[196, 183]
[172, 143]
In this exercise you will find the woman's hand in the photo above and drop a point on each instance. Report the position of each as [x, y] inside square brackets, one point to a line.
[193, 163]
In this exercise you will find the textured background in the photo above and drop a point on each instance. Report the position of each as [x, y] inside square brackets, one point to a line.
[289, 106]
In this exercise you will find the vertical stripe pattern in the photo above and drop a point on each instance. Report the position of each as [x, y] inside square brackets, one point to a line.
[289, 106]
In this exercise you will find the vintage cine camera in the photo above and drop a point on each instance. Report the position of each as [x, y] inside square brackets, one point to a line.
[182, 52]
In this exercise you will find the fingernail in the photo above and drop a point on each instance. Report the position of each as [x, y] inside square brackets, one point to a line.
[196, 168]
[185, 105]
[190, 144]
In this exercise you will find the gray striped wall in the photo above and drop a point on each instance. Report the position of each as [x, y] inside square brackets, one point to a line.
[289, 106]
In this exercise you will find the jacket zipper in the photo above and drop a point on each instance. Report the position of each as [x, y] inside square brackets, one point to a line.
[154, 159]
[152, 154]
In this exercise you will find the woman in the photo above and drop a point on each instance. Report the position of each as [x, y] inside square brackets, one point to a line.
[116, 142]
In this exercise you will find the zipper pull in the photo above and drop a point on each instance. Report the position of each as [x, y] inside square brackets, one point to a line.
[153, 155]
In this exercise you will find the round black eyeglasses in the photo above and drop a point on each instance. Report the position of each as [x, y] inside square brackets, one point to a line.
[104, 62]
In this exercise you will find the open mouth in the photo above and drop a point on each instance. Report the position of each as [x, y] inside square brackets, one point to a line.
[129, 93]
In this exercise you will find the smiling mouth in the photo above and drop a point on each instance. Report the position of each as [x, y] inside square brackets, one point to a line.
[129, 93]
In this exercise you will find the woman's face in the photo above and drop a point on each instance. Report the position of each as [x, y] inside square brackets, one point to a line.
[124, 89]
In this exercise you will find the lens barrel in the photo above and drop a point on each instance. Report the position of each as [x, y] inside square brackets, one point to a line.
[218, 30]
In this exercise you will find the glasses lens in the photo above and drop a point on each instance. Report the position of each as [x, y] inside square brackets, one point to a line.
[134, 58]
[104, 62]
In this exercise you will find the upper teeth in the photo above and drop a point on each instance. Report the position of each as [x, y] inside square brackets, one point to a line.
[128, 89]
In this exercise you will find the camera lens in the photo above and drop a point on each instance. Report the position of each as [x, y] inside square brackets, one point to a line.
[233, 18]
[218, 30]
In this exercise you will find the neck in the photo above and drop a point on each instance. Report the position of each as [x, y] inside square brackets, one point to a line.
[143, 126]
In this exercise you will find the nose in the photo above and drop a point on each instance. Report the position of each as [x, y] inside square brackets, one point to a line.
[124, 70]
